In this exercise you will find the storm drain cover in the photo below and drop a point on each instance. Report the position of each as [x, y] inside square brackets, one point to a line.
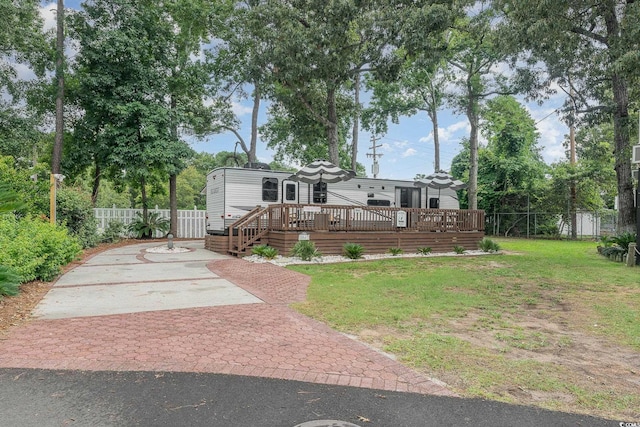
[326, 423]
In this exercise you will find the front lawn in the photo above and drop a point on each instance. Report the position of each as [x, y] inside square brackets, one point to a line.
[546, 323]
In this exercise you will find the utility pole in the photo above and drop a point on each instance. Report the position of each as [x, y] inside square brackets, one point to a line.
[572, 184]
[375, 168]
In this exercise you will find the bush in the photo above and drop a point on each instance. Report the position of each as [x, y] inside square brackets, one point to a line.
[113, 232]
[265, 251]
[395, 251]
[425, 250]
[305, 250]
[624, 239]
[488, 245]
[74, 209]
[35, 249]
[9, 281]
[458, 249]
[141, 229]
[352, 250]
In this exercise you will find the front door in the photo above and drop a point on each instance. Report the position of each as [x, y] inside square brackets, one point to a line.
[289, 191]
[407, 197]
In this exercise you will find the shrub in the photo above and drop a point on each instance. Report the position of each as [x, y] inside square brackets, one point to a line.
[9, 281]
[35, 249]
[113, 232]
[352, 250]
[488, 245]
[458, 249]
[395, 251]
[264, 251]
[305, 250]
[624, 239]
[141, 229]
[75, 211]
[425, 250]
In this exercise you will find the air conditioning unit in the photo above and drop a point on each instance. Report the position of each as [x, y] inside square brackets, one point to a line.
[635, 154]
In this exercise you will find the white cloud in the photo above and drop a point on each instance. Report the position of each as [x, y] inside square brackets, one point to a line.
[48, 14]
[449, 133]
[409, 152]
[240, 110]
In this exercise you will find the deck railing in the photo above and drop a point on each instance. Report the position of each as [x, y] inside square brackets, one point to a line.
[288, 217]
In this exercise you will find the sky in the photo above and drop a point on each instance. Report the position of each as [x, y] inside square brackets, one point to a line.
[407, 148]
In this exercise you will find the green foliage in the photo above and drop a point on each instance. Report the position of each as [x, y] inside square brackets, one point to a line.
[16, 178]
[75, 211]
[113, 232]
[145, 229]
[265, 251]
[395, 251]
[458, 249]
[352, 250]
[624, 239]
[9, 200]
[35, 249]
[9, 281]
[606, 241]
[616, 247]
[488, 245]
[305, 250]
[425, 250]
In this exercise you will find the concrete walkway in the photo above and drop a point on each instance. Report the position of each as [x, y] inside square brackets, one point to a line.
[127, 309]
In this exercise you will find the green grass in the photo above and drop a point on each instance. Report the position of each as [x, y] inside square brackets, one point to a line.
[417, 300]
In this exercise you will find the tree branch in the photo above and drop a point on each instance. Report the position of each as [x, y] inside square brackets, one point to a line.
[590, 34]
[240, 139]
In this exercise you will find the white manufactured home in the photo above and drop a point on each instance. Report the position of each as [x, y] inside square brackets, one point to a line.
[232, 192]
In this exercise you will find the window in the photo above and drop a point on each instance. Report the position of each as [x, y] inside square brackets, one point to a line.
[269, 189]
[290, 192]
[320, 192]
[434, 203]
[378, 202]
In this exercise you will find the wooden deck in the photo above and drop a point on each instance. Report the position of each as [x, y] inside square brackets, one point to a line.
[375, 228]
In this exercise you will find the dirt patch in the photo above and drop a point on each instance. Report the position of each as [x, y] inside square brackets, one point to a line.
[594, 372]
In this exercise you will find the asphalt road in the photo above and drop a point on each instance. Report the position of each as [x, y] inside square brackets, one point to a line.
[43, 398]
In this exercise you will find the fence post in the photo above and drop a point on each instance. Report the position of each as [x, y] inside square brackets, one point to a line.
[631, 255]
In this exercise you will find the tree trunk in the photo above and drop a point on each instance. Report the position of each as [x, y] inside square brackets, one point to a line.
[356, 124]
[332, 127]
[143, 199]
[626, 214]
[173, 197]
[56, 157]
[433, 115]
[251, 155]
[472, 188]
[173, 205]
[626, 217]
[96, 185]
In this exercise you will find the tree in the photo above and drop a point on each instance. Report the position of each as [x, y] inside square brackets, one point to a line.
[22, 42]
[512, 168]
[420, 87]
[125, 59]
[596, 45]
[317, 48]
[474, 56]
[238, 59]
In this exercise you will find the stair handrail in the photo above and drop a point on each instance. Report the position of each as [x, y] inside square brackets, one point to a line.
[250, 220]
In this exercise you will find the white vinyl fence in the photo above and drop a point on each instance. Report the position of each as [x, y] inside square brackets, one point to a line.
[191, 223]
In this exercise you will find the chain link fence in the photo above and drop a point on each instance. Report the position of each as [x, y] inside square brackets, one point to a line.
[532, 224]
